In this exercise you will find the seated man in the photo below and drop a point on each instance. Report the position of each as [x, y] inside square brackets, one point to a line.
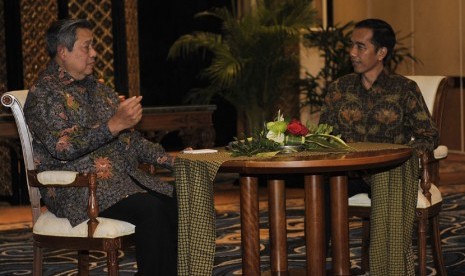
[374, 105]
[79, 124]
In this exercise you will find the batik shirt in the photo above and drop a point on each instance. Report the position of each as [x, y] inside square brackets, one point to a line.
[68, 122]
[391, 111]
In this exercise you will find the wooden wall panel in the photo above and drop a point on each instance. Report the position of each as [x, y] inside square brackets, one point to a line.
[438, 29]
[132, 47]
[435, 26]
[352, 10]
[437, 35]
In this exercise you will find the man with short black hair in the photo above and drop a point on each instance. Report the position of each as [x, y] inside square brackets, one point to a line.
[375, 105]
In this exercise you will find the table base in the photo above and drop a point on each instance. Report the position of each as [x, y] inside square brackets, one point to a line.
[314, 225]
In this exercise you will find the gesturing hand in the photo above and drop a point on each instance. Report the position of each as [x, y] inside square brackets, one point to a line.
[127, 116]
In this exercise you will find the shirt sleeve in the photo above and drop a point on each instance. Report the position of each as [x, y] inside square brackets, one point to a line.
[148, 151]
[425, 132]
[62, 126]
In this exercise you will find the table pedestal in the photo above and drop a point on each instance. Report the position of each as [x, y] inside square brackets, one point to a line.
[339, 225]
[314, 225]
[250, 230]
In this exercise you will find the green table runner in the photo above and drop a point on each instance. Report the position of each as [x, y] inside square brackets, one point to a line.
[393, 199]
[393, 203]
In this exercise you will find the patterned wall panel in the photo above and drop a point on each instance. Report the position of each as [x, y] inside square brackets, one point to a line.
[36, 17]
[99, 13]
[3, 83]
[132, 47]
[6, 186]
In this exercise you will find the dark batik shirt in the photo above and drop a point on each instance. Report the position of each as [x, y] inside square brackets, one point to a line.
[68, 122]
[391, 111]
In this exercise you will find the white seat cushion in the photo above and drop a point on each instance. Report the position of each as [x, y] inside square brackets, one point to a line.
[362, 200]
[436, 197]
[49, 224]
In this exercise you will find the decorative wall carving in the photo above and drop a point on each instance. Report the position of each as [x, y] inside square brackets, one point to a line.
[35, 18]
[98, 12]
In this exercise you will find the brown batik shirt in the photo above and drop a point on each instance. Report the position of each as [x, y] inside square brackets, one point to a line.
[391, 111]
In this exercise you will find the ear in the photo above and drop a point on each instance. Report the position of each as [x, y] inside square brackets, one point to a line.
[382, 53]
[61, 51]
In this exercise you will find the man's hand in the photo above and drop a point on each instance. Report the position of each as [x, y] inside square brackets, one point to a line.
[127, 116]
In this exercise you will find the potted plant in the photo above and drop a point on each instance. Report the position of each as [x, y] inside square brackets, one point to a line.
[254, 60]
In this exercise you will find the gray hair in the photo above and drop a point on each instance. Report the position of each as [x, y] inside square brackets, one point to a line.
[63, 32]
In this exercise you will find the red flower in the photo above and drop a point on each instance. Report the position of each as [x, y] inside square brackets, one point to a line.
[295, 127]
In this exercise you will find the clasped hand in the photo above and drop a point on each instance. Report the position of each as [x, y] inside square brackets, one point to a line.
[128, 114]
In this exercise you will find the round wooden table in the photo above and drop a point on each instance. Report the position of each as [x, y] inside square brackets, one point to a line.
[314, 168]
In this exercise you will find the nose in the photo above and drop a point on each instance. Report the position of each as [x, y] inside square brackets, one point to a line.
[352, 51]
[92, 52]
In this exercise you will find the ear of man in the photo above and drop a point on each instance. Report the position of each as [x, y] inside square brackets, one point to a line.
[382, 52]
[61, 51]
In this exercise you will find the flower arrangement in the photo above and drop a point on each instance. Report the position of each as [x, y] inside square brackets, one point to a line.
[283, 135]
[285, 132]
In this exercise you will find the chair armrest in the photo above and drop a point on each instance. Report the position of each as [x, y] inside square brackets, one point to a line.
[65, 179]
[57, 179]
[70, 179]
[429, 164]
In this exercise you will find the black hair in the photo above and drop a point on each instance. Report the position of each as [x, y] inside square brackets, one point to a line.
[383, 35]
[63, 32]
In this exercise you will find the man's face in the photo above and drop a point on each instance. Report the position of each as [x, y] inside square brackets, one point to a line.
[363, 54]
[79, 62]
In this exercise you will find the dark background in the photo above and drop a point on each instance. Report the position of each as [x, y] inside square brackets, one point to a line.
[166, 82]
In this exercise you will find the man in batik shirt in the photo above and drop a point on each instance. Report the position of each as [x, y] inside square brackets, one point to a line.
[79, 124]
[373, 105]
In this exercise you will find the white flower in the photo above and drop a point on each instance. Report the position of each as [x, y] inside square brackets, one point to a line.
[276, 129]
[278, 137]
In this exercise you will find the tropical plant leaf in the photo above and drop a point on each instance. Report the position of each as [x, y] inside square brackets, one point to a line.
[254, 61]
[326, 141]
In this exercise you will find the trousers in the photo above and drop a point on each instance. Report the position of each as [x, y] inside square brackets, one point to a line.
[156, 234]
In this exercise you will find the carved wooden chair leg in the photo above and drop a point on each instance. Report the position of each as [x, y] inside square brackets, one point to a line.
[83, 262]
[421, 244]
[436, 246]
[365, 245]
[112, 262]
[37, 264]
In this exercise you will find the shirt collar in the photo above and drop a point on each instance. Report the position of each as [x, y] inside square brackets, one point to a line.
[381, 80]
[64, 77]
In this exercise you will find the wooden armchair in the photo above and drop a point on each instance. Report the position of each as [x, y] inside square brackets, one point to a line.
[97, 233]
[429, 197]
